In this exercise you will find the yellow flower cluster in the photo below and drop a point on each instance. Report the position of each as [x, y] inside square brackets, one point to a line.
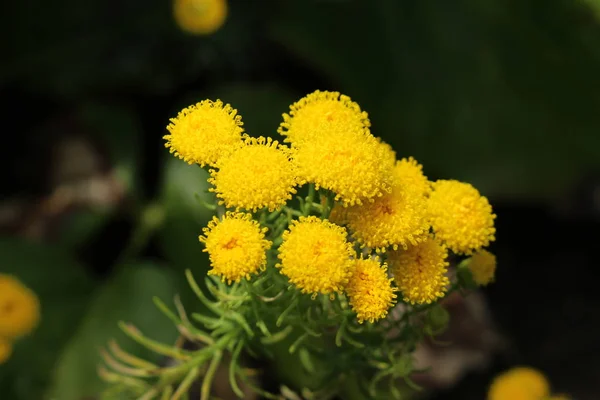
[522, 383]
[19, 313]
[200, 17]
[382, 204]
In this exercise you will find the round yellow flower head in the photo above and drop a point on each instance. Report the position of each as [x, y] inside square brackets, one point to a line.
[420, 271]
[204, 132]
[5, 350]
[19, 308]
[389, 155]
[354, 166]
[200, 17]
[483, 267]
[322, 114]
[410, 173]
[315, 256]
[370, 291]
[258, 174]
[521, 383]
[236, 246]
[460, 216]
[395, 219]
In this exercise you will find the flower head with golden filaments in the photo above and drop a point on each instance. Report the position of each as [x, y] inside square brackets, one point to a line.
[200, 17]
[204, 132]
[354, 166]
[258, 174]
[460, 216]
[315, 256]
[420, 271]
[394, 219]
[410, 173]
[520, 383]
[236, 246]
[322, 114]
[370, 291]
[19, 308]
[5, 350]
[483, 267]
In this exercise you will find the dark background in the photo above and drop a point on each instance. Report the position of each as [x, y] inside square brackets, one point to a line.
[97, 218]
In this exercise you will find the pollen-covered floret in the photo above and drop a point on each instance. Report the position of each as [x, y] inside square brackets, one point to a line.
[369, 290]
[315, 256]
[236, 246]
[420, 271]
[460, 216]
[19, 308]
[202, 133]
[410, 173]
[258, 174]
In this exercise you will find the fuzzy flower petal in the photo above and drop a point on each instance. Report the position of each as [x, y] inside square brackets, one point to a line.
[19, 308]
[369, 290]
[420, 271]
[258, 174]
[200, 17]
[355, 167]
[460, 216]
[520, 383]
[394, 219]
[483, 267]
[236, 246]
[322, 114]
[204, 132]
[315, 256]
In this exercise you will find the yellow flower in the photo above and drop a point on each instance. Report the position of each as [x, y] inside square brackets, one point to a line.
[204, 132]
[315, 256]
[395, 219]
[200, 17]
[410, 173]
[354, 166]
[389, 155]
[520, 383]
[483, 267]
[369, 290]
[5, 350]
[258, 174]
[420, 271]
[460, 216]
[322, 114]
[19, 308]
[236, 246]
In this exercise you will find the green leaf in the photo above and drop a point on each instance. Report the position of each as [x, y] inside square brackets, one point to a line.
[63, 289]
[126, 297]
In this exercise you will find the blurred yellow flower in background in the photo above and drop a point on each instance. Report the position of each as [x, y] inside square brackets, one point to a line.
[236, 246]
[204, 132]
[369, 290]
[5, 350]
[258, 174]
[483, 267]
[460, 216]
[420, 271]
[200, 17]
[19, 308]
[519, 383]
[315, 256]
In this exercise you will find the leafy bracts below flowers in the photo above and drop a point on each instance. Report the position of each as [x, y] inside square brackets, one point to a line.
[347, 277]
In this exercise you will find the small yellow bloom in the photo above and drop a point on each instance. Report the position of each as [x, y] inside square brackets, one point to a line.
[520, 383]
[394, 219]
[315, 256]
[322, 114]
[204, 132]
[370, 291]
[410, 173]
[460, 216]
[19, 308]
[5, 350]
[258, 174]
[200, 17]
[483, 267]
[420, 271]
[236, 246]
[354, 166]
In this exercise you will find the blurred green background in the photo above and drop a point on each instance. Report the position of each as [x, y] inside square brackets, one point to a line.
[97, 218]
